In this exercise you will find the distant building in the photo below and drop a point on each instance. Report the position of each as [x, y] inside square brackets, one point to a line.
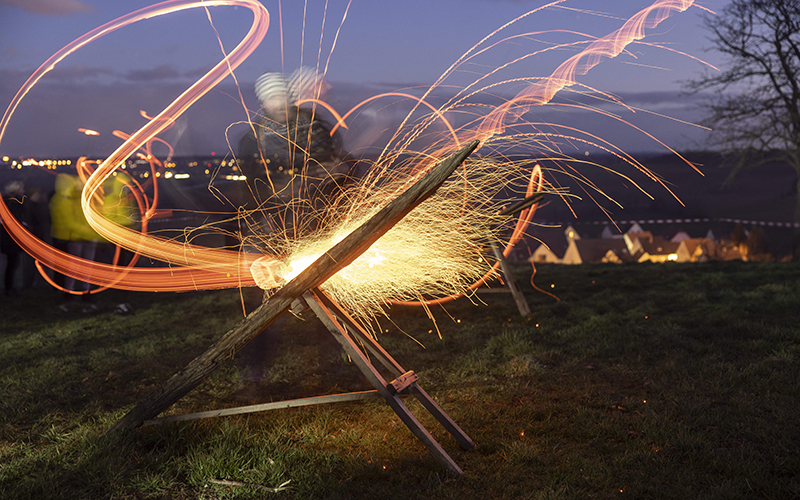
[657, 249]
[638, 245]
[696, 250]
[728, 251]
[608, 234]
[581, 250]
[553, 246]
[635, 228]
[571, 234]
[680, 236]
[634, 241]
[544, 255]
[635, 245]
[612, 251]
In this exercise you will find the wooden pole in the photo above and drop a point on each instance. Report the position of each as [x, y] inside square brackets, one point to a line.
[277, 405]
[338, 257]
[522, 205]
[394, 368]
[329, 319]
[511, 283]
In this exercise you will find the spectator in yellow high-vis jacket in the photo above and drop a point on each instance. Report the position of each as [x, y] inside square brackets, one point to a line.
[69, 228]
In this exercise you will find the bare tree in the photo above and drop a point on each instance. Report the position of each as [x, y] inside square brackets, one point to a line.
[755, 111]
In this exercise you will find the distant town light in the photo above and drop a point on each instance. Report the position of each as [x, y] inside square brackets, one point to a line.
[88, 131]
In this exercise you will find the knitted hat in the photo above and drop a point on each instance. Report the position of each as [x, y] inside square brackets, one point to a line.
[305, 84]
[271, 86]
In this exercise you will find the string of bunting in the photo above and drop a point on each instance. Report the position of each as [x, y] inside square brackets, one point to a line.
[685, 221]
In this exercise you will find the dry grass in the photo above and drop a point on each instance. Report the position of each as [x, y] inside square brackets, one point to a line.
[649, 381]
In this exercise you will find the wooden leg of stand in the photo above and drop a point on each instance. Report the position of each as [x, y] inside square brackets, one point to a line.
[373, 347]
[394, 367]
[511, 283]
[434, 409]
[375, 378]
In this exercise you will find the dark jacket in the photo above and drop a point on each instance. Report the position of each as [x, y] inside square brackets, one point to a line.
[7, 244]
[301, 157]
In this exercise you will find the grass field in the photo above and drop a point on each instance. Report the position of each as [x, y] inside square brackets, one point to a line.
[643, 381]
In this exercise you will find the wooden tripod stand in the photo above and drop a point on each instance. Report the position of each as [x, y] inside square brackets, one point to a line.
[350, 334]
[306, 285]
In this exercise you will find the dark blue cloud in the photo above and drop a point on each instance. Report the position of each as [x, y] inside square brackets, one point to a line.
[58, 8]
[158, 73]
[78, 72]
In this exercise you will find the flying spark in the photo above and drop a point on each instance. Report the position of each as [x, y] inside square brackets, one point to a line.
[437, 252]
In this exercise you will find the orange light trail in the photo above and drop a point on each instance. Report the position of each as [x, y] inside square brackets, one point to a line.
[193, 267]
[200, 268]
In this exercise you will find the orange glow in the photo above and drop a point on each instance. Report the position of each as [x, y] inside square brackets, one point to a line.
[194, 267]
[88, 131]
[200, 268]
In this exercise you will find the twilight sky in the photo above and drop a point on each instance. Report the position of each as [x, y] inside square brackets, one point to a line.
[382, 46]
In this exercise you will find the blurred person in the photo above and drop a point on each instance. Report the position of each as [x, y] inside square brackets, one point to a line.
[292, 144]
[37, 216]
[59, 227]
[13, 195]
[288, 158]
[291, 163]
[120, 208]
[71, 232]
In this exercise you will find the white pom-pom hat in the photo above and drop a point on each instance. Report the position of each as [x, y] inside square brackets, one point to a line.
[304, 83]
[271, 86]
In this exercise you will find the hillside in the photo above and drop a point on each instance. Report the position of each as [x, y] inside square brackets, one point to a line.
[764, 194]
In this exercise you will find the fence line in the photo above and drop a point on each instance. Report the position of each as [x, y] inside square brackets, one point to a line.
[684, 221]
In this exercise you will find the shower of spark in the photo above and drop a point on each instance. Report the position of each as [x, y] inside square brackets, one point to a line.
[437, 251]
